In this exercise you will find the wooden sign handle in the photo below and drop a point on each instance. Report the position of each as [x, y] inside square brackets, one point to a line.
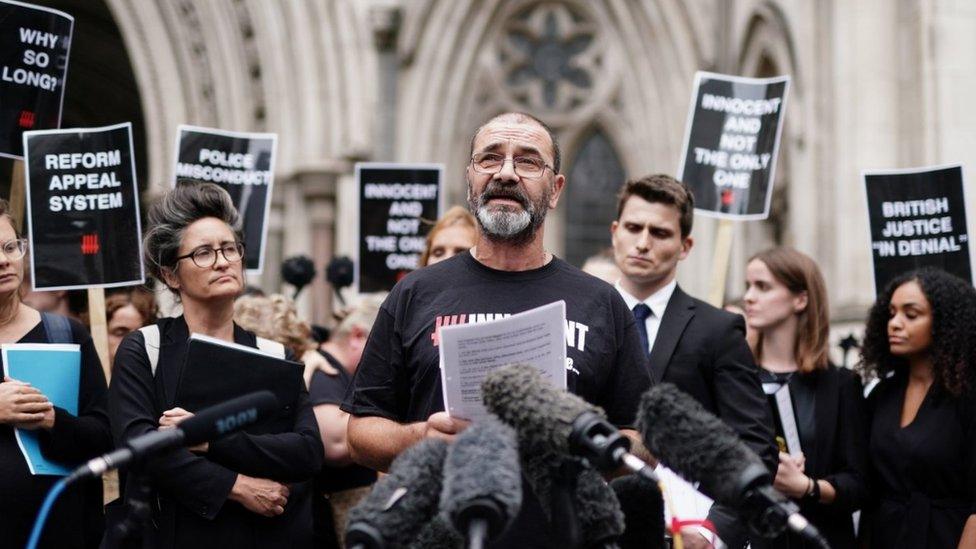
[99, 328]
[720, 262]
[17, 195]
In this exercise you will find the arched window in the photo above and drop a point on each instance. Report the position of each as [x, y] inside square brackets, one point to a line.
[591, 197]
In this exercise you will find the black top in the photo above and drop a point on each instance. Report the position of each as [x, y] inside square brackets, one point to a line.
[925, 473]
[399, 377]
[329, 389]
[193, 489]
[76, 519]
[832, 400]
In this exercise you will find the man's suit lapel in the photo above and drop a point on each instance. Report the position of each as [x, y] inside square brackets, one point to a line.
[678, 313]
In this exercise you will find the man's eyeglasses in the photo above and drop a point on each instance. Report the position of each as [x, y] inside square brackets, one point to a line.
[14, 249]
[525, 166]
[205, 257]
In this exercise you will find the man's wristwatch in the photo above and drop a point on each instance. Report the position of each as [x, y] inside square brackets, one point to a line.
[813, 493]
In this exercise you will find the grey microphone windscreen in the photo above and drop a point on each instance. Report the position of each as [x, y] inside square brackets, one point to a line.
[600, 518]
[482, 477]
[403, 501]
[693, 442]
[643, 507]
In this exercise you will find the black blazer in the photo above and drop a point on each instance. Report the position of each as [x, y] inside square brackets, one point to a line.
[192, 489]
[839, 454]
[703, 351]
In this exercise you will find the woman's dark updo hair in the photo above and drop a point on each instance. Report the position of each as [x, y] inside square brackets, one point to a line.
[953, 349]
[168, 219]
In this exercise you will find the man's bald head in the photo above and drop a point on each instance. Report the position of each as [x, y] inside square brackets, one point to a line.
[523, 118]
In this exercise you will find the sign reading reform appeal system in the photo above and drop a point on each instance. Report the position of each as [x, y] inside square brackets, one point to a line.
[917, 218]
[34, 45]
[83, 208]
[731, 142]
[241, 163]
[394, 199]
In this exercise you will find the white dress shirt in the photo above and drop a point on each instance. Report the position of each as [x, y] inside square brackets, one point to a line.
[658, 302]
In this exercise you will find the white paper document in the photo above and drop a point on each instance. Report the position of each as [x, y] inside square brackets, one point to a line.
[469, 352]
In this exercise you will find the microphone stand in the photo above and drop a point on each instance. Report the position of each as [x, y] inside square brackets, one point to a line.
[135, 530]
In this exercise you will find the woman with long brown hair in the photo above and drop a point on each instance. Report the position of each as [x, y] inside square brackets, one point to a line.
[786, 306]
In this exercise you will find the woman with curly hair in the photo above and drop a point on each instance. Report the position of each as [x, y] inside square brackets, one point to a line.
[920, 341]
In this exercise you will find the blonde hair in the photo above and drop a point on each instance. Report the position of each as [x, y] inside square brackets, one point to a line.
[361, 315]
[799, 273]
[274, 317]
[456, 215]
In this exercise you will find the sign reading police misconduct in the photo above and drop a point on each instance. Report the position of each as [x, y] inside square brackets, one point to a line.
[917, 218]
[241, 163]
[731, 141]
[83, 208]
[393, 200]
[34, 44]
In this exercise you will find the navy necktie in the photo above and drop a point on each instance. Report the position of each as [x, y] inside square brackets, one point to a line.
[641, 313]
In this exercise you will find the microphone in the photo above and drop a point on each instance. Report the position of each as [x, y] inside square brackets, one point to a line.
[561, 420]
[482, 491]
[643, 508]
[206, 425]
[698, 445]
[437, 534]
[601, 520]
[401, 503]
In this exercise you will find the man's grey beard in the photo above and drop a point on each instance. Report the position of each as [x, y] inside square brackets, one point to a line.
[507, 223]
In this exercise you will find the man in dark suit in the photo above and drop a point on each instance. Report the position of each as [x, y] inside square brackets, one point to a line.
[700, 349]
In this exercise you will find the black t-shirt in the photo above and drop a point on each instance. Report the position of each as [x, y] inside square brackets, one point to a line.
[399, 377]
[328, 389]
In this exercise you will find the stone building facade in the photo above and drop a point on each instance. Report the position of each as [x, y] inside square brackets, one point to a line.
[876, 84]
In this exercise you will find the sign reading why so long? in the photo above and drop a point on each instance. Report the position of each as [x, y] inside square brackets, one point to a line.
[731, 142]
[83, 208]
[917, 218]
[394, 199]
[34, 45]
[241, 163]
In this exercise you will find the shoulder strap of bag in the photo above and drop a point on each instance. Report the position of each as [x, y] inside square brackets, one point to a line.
[57, 328]
[271, 347]
[151, 336]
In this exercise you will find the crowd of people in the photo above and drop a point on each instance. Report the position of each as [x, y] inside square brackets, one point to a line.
[904, 455]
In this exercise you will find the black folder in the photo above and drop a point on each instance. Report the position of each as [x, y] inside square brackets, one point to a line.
[216, 371]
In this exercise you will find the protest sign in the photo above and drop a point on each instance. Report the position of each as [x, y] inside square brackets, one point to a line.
[731, 142]
[393, 201]
[241, 163]
[917, 218]
[83, 208]
[34, 45]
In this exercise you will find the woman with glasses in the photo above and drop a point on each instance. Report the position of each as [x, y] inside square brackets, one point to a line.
[71, 439]
[243, 490]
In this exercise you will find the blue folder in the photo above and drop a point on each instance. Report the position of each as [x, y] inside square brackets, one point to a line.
[54, 369]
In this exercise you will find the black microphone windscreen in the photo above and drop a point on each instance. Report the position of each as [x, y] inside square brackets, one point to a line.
[643, 508]
[541, 414]
[600, 519]
[693, 442]
[233, 415]
[402, 502]
[482, 477]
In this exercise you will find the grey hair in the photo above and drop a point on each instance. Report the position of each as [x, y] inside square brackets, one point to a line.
[362, 315]
[169, 217]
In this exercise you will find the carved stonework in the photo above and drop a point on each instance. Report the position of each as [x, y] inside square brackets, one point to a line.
[551, 57]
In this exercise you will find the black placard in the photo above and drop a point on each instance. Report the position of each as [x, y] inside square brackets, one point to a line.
[393, 200]
[241, 163]
[731, 142]
[917, 219]
[34, 46]
[83, 208]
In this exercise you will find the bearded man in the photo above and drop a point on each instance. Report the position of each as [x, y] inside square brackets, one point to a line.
[396, 400]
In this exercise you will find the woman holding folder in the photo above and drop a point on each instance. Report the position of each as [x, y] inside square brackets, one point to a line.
[65, 438]
[786, 304]
[240, 491]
